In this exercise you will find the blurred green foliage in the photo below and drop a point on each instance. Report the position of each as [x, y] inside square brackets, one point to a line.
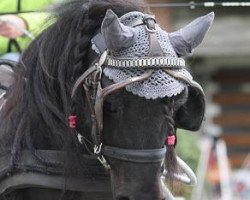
[188, 150]
[187, 147]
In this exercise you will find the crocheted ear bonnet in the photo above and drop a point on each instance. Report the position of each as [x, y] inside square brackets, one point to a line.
[136, 44]
[160, 84]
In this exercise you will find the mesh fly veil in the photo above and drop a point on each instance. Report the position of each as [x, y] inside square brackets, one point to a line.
[136, 43]
[160, 84]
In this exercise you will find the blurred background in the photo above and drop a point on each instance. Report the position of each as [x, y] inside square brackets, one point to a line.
[220, 152]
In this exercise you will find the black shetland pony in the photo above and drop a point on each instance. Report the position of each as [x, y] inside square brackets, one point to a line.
[43, 158]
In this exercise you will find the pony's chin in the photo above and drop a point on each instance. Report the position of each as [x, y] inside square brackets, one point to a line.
[127, 191]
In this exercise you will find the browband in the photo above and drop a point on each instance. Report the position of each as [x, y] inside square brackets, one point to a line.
[149, 62]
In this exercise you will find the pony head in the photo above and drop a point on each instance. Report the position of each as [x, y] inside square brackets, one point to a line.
[136, 96]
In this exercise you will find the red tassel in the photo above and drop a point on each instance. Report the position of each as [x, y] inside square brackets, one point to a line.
[72, 121]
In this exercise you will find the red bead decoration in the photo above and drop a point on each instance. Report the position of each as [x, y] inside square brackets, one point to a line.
[171, 140]
[72, 121]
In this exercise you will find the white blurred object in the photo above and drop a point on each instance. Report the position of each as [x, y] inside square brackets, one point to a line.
[11, 56]
[206, 146]
[241, 181]
[219, 148]
[22, 30]
[224, 170]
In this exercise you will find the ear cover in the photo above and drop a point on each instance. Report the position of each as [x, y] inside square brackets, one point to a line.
[189, 37]
[116, 35]
[190, 115]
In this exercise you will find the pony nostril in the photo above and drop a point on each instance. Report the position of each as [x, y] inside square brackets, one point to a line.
[122, 198]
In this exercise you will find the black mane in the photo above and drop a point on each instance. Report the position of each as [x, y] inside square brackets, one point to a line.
[35, 115]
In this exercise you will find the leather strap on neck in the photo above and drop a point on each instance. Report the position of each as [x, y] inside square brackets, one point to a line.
[29, 172]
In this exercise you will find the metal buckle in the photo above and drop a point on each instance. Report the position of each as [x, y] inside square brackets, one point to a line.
[97, 149]
[97, 74]
[104, 162]
[150, 22]
[101, 158]
[103, 58]
[80, 138]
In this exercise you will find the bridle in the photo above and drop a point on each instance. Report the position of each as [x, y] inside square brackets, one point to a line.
[95, 95]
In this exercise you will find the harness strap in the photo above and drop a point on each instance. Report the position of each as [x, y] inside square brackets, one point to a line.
[82, 78]
[29, 172]
[154, 45]
[38, 180]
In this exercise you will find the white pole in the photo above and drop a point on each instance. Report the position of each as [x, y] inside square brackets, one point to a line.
[224, 170]
[206, 147]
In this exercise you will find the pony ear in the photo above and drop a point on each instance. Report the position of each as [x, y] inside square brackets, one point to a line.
[116, 34]
[189, 37]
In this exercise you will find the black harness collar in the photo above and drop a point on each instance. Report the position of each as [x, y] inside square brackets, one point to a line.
[29, 172]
